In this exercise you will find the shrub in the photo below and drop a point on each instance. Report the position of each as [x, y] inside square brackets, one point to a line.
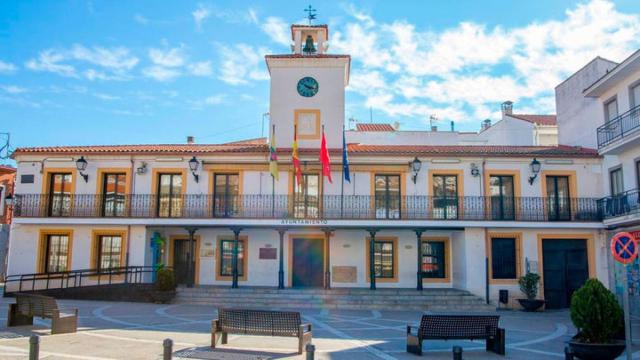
[529, 285]
[165, 279]
[595, 312]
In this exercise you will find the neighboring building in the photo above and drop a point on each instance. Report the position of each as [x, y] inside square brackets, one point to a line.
[7, 180]
[414, 215]
[600, 106]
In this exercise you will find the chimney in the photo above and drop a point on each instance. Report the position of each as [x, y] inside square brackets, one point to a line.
[507, 108]
[485, 124]
[191, 140]
[452, 127]
[434, 128]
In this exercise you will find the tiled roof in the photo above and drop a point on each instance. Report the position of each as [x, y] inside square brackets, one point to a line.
[472, 150]
[374, 127]
[537, 119]
[310, 56]
[326, 27]
[7, 169]
[148, 149]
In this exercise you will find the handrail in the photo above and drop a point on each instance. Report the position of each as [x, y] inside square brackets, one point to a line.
[328, 207]
[625, 203]
[74, 278]
[619, 127]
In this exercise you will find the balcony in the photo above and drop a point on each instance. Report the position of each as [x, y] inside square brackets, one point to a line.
[621, 205]
[616, 132]
[327, 207]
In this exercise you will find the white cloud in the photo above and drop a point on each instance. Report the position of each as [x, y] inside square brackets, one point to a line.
[7, 68]
[50, 61]
[161, 73]
[202, 68]
[13, 89]
[106, 97]
[277, 29]
[241, 63]
[173, 57]
[214, 99]
[140, 19]
[200, 14]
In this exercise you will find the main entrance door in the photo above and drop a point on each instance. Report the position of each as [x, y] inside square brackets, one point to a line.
[308, 263]
[566, 269]
[181, 261]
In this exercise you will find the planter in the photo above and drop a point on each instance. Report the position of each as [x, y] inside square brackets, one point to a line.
[531, 305]
[587, 351]
[162, 296]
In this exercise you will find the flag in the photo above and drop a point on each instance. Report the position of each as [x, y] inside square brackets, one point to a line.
[324, 159]
[297, 170]
[273, 156]
[345, 159]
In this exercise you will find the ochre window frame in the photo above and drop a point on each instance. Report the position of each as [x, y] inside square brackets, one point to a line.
[196, 239]
[447, 259]
[42, 247]
[396, 250]
[519, 263]
[245, 253]
[296, 115]
[573, 188]
[95, 237]
[100, 173]
[517, 189]
[459, 173]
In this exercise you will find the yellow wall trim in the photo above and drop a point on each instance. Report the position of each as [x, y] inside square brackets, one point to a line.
[296, 115]
[42, 247]
[245, 254]
[519, 264]
[196, 254]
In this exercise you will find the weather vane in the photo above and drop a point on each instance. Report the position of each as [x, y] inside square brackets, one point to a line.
[311, 13]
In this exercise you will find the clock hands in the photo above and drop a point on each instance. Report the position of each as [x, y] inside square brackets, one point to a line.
[309, 87]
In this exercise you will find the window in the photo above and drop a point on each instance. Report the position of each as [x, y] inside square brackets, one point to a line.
[170, 195]
[56, 253]
[445, 196]
[611, 110]
[387, 196]
[109, 252]
[503, 258]
[433, 261]
[635, 95]
[60, 185]
[306, 196]
[616, 181]
[114, 194]
[226, 257]
[226, 194]
[502, 197]
[637, 174]
[383, 259]
[558, 198]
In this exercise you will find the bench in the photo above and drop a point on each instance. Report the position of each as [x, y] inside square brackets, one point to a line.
[446, 327]
[29, 305]
[260, 322]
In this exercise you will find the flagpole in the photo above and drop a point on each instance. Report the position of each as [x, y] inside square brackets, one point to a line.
[342, 177]
[322, 171]
[273, 183]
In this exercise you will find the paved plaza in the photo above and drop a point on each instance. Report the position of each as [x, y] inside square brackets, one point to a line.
[119, 330]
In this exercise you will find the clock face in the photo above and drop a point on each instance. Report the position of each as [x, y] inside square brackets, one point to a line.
[307, 86]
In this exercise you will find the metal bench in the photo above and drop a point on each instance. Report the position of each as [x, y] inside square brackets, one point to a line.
[447, 327]
[29, 305]
[260, 322]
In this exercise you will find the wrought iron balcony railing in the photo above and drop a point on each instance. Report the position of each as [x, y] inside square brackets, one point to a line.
[619, 127]
[327, 207]
[626, 203]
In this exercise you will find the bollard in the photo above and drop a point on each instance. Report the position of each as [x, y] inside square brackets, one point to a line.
[34, 347]
[167, 344]
[457, 353]
[310, 349]
[568, 355]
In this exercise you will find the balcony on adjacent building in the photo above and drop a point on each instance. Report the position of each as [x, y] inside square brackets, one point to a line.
[327, 207]
[621, 208]
[615, 135]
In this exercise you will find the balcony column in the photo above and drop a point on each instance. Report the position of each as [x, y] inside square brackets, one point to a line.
[234, 260]
[190, 257]
[327, 258]
[372, 267]
[419, 263]
[281, 232]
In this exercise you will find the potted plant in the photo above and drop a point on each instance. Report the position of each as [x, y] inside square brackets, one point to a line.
[529, 286]
[596, 314]
[164, 289]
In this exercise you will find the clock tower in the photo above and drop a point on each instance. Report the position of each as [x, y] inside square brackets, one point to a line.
[308, 89]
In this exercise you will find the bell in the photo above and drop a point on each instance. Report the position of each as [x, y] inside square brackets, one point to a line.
[309, 48]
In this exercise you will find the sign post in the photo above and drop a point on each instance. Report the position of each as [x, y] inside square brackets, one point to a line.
[625, 250]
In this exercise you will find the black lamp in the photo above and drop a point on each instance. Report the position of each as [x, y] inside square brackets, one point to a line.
[8, 200]
[415, 165]
[193, 165]
[535, 170]
[81, 165]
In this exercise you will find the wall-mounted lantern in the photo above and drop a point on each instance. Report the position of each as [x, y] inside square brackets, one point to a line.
[415, 166]
[475, 171]
[142, 169]
[535, 170]
[193, 166]
[81, 165]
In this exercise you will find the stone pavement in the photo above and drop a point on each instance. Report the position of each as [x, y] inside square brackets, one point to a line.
[119, 330]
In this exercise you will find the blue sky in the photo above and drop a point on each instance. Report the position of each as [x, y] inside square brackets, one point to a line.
[114, 72]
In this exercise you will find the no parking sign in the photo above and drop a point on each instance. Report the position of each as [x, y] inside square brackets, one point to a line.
[624, 248]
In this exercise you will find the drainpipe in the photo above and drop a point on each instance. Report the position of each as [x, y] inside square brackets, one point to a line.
[131, 191]
[486, 234]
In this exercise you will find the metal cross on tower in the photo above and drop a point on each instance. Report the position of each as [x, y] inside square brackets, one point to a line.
[311, 13]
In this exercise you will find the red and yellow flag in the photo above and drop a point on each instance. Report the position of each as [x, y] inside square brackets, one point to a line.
[324, 158]
[297, 170]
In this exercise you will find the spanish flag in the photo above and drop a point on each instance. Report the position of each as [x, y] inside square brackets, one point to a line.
[295, 158]
[273, 156]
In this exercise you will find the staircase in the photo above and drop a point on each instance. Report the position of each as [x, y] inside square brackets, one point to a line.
[452, 300]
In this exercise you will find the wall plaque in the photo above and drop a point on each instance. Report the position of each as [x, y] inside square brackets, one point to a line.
[268, 253]
[26, 179]
[344, 274]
